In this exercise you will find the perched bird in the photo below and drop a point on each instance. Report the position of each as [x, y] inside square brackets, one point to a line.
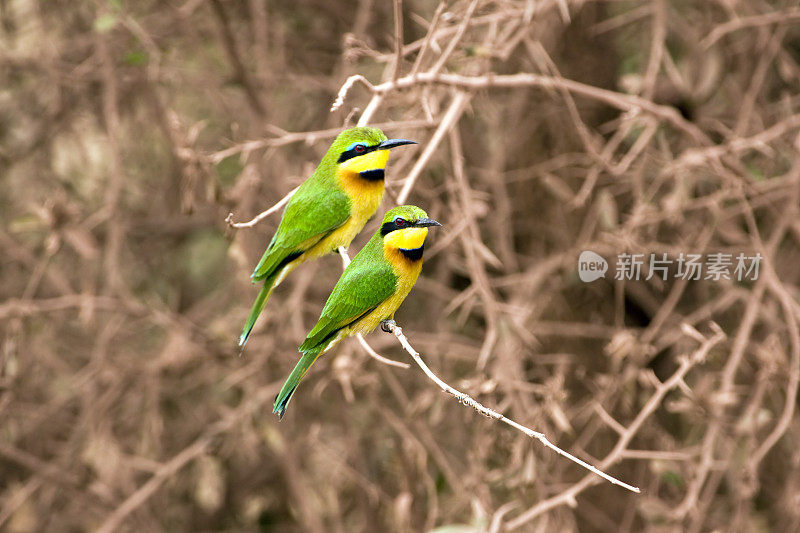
[328, 210]
[369, 292]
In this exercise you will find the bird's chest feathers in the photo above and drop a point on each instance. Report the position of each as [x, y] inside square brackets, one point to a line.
[406, 270]
[407, 273]
[365, 195]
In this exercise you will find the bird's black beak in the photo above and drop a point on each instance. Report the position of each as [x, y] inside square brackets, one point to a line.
[425, 222]
[394, 143]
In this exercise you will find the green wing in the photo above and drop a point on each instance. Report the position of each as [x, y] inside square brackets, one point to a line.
[362, 287]
[310, 216]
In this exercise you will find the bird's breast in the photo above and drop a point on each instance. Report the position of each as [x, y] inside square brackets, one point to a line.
[406, 269]
[365, 195]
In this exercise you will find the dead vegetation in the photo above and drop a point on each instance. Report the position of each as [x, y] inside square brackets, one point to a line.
[129, 131]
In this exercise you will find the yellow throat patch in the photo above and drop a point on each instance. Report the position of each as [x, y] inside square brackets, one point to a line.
[365, 196]
[369, 161]
[406, 238]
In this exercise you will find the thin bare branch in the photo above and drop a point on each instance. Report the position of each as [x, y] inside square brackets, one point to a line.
[264, 214]
[485, 411]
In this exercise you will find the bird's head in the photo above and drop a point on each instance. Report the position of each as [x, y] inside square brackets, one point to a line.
[364, 151]
[404, 229]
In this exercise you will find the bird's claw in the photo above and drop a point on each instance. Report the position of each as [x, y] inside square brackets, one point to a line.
[387, 325]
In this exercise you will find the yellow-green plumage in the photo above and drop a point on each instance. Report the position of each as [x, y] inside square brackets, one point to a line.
[328, 210]
[370, 290]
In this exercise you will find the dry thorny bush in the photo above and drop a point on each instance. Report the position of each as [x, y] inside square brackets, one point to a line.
[129, 130]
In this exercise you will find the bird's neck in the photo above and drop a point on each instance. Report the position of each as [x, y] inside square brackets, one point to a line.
[414, 254]
[365, 195]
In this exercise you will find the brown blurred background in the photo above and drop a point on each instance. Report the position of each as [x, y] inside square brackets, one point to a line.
[129, 131]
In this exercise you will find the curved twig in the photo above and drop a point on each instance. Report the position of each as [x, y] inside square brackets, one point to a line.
[262, 215]
[490, 413]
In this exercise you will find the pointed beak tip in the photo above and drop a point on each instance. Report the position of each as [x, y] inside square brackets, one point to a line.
[394, 143]
[427, 222]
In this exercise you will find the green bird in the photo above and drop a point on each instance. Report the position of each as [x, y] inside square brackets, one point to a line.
[328, 210]
[369, 291]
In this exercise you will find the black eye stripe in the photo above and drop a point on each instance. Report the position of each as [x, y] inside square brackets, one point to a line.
[349, 154]
[388, 227]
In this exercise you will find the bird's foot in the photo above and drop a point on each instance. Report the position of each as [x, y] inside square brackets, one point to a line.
[387, 325]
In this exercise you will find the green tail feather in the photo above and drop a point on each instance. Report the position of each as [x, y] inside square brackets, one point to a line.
[258, 306]
[282, 400]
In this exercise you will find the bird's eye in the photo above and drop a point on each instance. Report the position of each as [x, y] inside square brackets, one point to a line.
[399, 222]
[359, 148]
